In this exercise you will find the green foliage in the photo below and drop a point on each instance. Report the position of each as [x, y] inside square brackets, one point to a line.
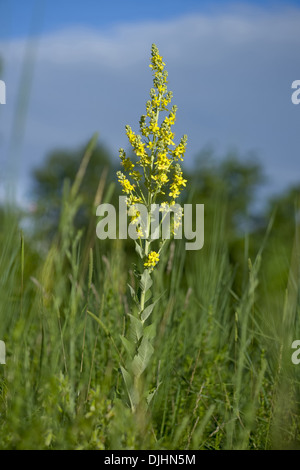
[48, 186]
[215, 361]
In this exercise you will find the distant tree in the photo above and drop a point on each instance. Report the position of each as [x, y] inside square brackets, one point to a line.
[286, 207]
[285, 235]
[227, 187]
[61, 166]
[231, 183]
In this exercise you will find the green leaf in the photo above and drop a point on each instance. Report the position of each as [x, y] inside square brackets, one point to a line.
[127, 378]
[136, 328]
[2, 352]
[129, 347]
[146, 281]
[151, 394]
[133, 294]
[150, 331]
[147, 311]
[148, 295]
[141, 360]
[91, 265]
[139, 249]
[133, 397]
[135, 271]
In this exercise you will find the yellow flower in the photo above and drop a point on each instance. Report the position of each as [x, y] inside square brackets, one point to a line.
[177, 183]
[179, 152]
[153, 259]
[135, 214]
[171, 119]
[161, 178]
[157, 155]
[131, 200]
[131, 135]
[127, 186]
[162, 162]
[155, 102]
[166, 135]
[161, 89]
[179, 180]
[156, 61]
[164, 207]
[125, 183]
[145, 160]
[127, 164]
[135, 175]
[174, 193]
[154, 127]
[150, 145]
[139, 232]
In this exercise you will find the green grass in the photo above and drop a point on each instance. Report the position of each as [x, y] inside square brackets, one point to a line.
[222, 353]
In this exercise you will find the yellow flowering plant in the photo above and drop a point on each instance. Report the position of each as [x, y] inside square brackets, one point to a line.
[152, 175]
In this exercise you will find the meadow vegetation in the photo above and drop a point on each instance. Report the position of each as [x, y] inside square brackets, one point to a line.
[222, 331]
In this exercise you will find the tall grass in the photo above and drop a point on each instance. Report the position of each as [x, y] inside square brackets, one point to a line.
[222, 360]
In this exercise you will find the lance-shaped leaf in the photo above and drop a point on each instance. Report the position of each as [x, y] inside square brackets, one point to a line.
[147, 311]
[148, 295]
[146, 281]
[139, 249]
[132, 393]
[136, 329]
[150, 395]
[133, 294]
[150, 331]
[2, 352]
[129, 346]
[141, 360]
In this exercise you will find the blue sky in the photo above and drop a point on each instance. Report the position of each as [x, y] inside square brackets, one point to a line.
[231, 66]
[17, 17]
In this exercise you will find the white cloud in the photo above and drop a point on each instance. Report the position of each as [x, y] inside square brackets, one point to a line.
[231, 74]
